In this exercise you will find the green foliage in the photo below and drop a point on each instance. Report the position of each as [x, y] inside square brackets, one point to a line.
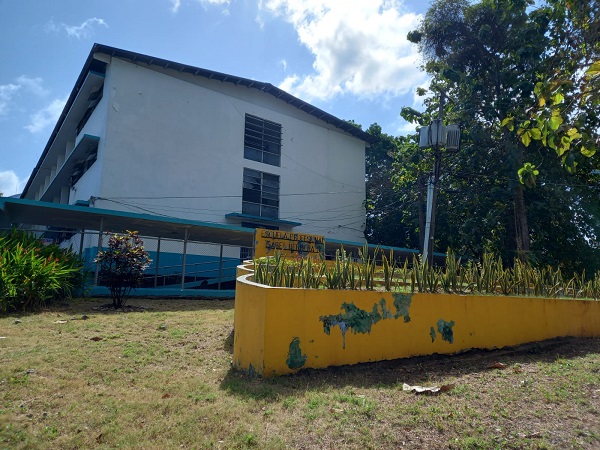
[341, 273]
[122, 266]
[393, 212]
[488, 276]
[31, 274]
[527, 175]
[389, 215]
[564, 116]
[522, 82]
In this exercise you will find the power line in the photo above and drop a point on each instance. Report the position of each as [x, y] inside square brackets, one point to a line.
[209, 210]
[319, 174]
[183, 197]
[157, 207]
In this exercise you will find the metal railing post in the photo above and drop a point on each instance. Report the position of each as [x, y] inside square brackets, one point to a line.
[220, 267]
[184, 259]
[81, 241]
[99, 250]
[157, 259]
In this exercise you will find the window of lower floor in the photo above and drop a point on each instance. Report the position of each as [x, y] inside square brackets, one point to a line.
[260, 194]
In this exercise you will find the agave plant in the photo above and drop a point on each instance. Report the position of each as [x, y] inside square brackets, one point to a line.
[488, 276]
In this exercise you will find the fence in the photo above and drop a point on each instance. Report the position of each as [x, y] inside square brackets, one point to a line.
[176, 263]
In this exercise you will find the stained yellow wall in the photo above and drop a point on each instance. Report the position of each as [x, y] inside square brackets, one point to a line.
[280, 330]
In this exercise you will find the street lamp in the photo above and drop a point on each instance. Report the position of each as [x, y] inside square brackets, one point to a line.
[436, 136]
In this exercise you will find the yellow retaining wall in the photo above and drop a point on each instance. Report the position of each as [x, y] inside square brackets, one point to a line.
[280, 330]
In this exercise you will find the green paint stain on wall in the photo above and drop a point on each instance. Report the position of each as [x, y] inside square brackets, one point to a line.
[385, 312]
[360, 320]
[445, 329]
[402, 304]
[355, 319]
[432, 334]
[295, 358]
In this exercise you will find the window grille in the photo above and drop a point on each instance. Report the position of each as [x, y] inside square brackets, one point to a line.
[260, 194]
[262, 140]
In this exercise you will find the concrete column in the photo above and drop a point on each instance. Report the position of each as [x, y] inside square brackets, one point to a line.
[64, 195]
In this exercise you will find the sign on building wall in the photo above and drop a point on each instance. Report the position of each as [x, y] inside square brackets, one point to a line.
[290, 244]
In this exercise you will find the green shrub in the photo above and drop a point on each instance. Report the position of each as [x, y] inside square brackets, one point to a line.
[32, 274]
[122, 266]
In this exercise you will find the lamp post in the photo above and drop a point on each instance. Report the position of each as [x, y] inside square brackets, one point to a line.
[436, 135]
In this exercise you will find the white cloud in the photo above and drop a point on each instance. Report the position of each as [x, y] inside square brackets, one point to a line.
[419, 100]
[10, 184]
[403, 127]
[51, 27]
[21, 84]
[175, 4]
[33, 85]
[359, 47]
[85, 30]
[46, 116]
[7, 92]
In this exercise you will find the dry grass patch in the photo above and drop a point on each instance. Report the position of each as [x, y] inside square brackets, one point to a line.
[161, 377]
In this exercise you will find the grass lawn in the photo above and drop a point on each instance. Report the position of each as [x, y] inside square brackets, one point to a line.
[160, 378]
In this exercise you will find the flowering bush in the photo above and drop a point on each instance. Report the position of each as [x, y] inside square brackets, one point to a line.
[32, 274]
[122, 266]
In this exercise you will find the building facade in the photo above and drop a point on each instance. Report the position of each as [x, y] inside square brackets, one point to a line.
[147, 135]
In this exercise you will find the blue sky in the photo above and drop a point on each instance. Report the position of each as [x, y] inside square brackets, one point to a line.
[348, 57]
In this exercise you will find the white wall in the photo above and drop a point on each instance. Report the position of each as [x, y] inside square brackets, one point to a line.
[169, 137]
[96, 123]
[89, 183]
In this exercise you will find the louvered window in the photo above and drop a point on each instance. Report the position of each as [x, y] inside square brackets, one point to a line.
[260, 194]
[262, 140]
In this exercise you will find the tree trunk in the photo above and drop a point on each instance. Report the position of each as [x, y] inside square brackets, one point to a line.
[515, 155]
[521, 225]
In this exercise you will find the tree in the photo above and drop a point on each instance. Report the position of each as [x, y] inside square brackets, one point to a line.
[389, 221]
[122, 266]
[504, 190]
[565, 115]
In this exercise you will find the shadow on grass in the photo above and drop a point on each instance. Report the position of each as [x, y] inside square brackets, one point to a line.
[228, 344]
[418, 370]
[103, 305]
